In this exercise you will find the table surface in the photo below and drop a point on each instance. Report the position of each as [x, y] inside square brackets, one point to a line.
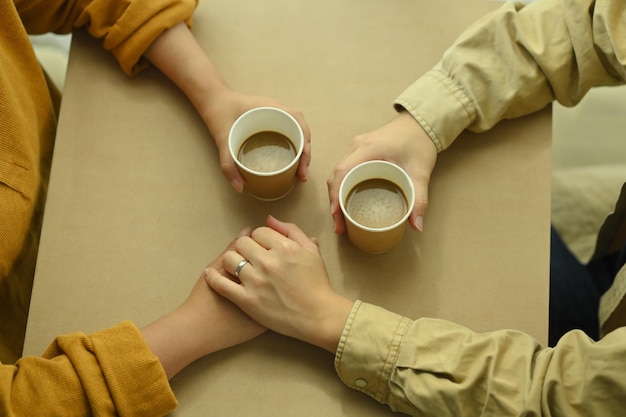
[137, 204]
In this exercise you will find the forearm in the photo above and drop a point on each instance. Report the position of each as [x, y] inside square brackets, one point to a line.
[179, 56]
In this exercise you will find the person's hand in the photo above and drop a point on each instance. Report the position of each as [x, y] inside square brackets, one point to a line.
[225, 324]
[401, 141]
[178, 55]
[203, 324]
[284, 285]
[220, 114]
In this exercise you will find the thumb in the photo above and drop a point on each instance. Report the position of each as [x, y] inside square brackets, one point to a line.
[230, 171]
[416, 218]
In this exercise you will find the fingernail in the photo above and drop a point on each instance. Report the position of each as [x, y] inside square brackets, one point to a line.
[237, 185]
[419, 223]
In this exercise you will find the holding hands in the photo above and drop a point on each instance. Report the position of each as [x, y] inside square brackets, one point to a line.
[401, 141]
[284, 285]
[203, 324]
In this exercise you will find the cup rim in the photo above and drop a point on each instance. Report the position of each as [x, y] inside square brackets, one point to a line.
[289, 166]
[410, 201]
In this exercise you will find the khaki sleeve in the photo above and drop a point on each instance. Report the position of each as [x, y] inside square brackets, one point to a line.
[126, 27]
[111, 372]
[515, 61]
[431, 367]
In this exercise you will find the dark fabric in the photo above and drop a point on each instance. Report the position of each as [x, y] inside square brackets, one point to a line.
[575, 289]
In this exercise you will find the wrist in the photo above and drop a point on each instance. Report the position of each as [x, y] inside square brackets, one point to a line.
[179, 338]
[207, 92]
[163, 337]
[407, 123]
[328, 328]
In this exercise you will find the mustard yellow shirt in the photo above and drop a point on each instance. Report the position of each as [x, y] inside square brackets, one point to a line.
[512, 62]
[108, 373]
[28, 115]
[112, 372]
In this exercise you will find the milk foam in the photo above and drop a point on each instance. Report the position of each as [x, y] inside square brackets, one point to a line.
[376, 203]
[267, 152]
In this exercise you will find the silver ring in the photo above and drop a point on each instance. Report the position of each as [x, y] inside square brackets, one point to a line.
[241, 265]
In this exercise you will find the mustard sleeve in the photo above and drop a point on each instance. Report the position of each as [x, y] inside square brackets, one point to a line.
[111, 372]
[431, 367]
[515, 61]
[126, 27]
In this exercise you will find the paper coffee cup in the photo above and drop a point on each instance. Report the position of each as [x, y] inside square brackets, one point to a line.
[376, 198]
[266, 144]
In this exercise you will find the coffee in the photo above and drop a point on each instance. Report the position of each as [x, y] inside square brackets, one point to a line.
[266, 152]
[376, 203]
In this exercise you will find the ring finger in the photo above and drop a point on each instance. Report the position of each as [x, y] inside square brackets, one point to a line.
[235, 264]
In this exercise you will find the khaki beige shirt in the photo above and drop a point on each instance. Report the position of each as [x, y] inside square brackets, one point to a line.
[512, 62]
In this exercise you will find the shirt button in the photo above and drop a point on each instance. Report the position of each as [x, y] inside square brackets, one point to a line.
[361, 383]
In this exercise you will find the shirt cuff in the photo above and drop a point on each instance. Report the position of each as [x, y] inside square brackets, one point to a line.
[117, 362]
[368, 349]
[130, 30]
[440, 106]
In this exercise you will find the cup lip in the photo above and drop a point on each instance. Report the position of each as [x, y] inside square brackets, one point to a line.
[286, 168]
[411, 202]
